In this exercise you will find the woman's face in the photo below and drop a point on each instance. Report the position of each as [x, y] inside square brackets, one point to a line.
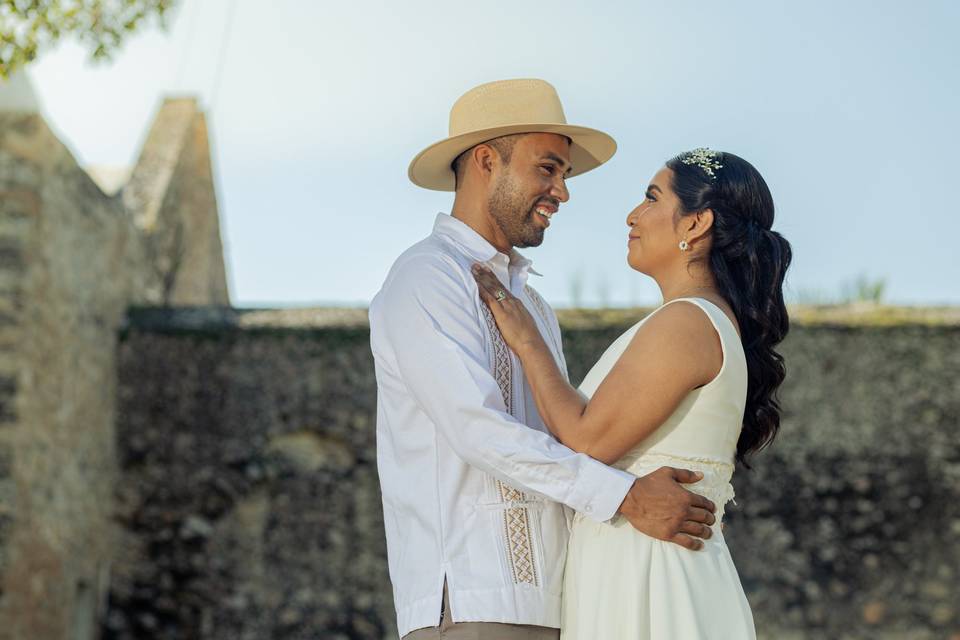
[654, 239]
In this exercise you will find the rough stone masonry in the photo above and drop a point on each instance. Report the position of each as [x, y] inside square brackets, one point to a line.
[73, 258]
[250, 508]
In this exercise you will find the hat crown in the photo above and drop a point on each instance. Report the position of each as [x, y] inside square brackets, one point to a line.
[504, 108]
[506, 103]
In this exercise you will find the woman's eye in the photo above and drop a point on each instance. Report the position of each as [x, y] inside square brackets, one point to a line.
[650, 197]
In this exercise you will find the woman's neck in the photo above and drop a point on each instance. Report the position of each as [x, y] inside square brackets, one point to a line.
[687, 285]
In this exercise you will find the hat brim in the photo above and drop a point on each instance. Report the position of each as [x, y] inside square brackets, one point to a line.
[431, 169]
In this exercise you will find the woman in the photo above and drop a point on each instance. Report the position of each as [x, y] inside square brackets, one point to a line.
[691, 385]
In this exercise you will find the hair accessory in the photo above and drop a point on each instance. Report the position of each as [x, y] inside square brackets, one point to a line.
[704, 158]
[684, 245]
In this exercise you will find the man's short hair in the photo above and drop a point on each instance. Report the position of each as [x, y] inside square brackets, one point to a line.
[503, 146]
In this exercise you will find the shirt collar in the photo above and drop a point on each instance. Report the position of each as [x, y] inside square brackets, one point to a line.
[476, 246]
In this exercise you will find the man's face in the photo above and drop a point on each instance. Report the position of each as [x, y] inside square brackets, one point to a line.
[528, 191]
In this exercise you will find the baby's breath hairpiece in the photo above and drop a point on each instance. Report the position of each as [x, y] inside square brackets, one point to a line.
[704, 158]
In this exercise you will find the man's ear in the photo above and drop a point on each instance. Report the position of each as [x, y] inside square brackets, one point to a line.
[484, 159]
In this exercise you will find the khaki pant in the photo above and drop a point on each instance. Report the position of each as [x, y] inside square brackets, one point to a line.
[448, 630]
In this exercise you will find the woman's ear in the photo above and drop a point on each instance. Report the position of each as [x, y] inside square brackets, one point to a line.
[698, 225]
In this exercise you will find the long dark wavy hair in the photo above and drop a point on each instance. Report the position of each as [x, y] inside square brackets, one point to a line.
[748, 261]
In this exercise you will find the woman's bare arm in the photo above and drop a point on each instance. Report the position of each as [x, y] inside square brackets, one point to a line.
[673, 353]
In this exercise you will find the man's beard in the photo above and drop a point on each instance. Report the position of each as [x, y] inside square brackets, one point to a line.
[509, 209]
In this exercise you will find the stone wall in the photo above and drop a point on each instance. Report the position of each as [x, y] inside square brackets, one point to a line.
[249, 499]
[72, 259]
[62, 242]
[172, 199]
[250, 505]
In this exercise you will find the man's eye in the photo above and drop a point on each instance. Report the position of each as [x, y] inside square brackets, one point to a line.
[548, 169]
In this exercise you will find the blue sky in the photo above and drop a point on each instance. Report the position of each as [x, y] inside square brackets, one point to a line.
[849, 110]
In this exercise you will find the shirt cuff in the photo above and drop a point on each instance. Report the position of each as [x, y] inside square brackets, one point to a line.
[600, 490]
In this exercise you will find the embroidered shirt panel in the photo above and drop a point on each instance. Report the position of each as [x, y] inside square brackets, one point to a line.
[516, 520]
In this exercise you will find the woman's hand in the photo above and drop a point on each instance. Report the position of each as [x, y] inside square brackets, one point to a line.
[517, 326]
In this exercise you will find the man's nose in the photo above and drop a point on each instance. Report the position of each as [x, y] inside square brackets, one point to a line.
[559, 190]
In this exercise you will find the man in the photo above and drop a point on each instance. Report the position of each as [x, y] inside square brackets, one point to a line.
[474, 487]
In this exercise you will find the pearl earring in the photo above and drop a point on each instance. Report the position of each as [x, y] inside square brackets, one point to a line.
[684, 245]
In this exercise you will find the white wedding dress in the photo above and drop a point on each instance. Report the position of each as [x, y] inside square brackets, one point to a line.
[621, 584]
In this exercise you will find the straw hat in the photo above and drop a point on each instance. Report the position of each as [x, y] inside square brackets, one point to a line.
[499, 109]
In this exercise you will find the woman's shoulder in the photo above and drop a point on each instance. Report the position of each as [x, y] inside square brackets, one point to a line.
[681, 316]
[719, 313]
[681, 331]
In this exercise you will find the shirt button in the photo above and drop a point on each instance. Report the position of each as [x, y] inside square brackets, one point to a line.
[588, 508]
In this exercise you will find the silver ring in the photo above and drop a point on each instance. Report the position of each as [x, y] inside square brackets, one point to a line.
[501, 295]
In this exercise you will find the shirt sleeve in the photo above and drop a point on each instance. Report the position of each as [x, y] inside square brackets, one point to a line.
[425, 318]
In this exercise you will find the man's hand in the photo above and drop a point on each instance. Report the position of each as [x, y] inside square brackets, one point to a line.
[658, 506]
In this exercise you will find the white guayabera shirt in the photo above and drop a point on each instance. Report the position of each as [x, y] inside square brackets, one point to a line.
[473, 484]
